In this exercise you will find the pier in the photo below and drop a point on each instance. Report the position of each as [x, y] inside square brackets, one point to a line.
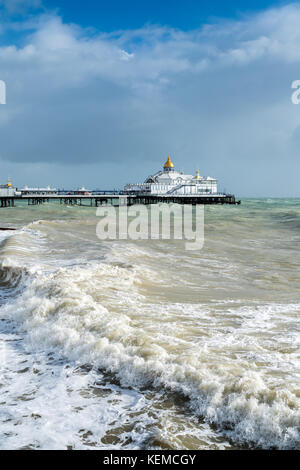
[118, 198]
[7, 201]
[165, 186]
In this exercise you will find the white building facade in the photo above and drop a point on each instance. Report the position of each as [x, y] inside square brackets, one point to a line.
[170, 181]
[7, 190]
[26, 191]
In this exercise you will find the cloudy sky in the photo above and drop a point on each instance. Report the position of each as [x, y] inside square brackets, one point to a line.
[100, 95]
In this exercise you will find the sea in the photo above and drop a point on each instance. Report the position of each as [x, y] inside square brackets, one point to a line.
[143, 344]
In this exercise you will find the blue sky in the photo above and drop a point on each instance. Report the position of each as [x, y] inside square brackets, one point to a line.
[99, 93]
[131, 14]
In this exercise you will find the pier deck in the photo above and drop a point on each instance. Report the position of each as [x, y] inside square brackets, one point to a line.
[117, 199]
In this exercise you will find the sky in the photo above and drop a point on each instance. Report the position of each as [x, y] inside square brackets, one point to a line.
[100, 93]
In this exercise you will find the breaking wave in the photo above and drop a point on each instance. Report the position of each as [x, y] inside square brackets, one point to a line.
[225, 344]
[97, 315]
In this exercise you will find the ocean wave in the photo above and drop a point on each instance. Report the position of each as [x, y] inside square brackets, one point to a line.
[12, 272]
[289, 219]
[96, 314]
[11, 277]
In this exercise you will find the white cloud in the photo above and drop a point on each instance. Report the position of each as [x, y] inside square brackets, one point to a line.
[19, 6]
[214, 95]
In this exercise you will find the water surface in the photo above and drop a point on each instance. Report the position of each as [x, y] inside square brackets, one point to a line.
[142, 344]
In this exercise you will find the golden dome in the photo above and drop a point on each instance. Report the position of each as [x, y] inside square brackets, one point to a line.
[9, 182]
[197, 177]
[168, 163]
[182, 173]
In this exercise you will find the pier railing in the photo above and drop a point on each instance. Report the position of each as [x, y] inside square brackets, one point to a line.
[116, 198]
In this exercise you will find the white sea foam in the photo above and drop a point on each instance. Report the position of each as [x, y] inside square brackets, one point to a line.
[96, 315]
[48, 404]
[218, 327]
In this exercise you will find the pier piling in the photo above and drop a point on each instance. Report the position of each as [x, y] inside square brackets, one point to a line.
[119, 199]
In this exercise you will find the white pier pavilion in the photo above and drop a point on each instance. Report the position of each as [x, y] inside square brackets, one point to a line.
[169, 181]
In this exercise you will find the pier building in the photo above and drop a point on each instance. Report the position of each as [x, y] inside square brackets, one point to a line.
[168, 181]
